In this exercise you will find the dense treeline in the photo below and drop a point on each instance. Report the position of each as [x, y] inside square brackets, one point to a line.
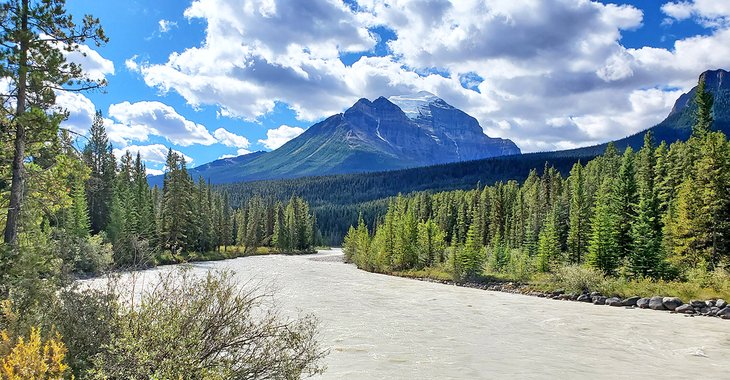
[338, 200]
[68, 212]
[659, 212]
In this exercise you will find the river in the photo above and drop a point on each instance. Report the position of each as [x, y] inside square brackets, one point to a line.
[383, 327]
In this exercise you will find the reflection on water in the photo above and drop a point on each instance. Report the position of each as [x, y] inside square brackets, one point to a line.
[381, 327]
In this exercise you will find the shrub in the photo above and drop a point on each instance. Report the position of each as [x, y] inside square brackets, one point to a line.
[34, 358]
[575, 278]
[85, 255]
[186, 327]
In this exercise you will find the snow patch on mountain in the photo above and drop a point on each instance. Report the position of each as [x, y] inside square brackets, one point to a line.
[418, 104]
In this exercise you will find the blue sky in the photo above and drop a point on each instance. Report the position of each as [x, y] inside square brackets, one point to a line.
[214, 78]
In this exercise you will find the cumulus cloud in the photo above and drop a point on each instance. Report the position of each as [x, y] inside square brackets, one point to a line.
[155, 153]
[94, 65]
[231, 139]
[279, 136]
[531, 62]
[81, 111]
[137, 121]
[710, 13]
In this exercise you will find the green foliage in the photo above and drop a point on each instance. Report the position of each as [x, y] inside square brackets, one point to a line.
[604, 250]
[209, 328]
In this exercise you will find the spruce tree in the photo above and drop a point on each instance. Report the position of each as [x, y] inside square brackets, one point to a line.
[603, 246]
[625, 195]
[703, 114]
[98, 156]
[548, 248]
[579, 214]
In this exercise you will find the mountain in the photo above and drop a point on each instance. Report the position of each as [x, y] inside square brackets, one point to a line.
[678, 124]
[384, 134]
[338, 200]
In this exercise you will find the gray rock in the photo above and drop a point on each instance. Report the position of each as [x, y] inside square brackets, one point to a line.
[721, 303]
[724, 313]
[704, 310]
[599, 300]
[657, 303]
[697, 304]
[631, 301]
[614, 301]
[643, 303]
[709, 303]
[671, 303]
[685, 309]
[595, 294]
[713, 311]
[584, 298]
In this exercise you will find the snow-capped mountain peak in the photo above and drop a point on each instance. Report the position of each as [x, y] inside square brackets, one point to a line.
[418, 104]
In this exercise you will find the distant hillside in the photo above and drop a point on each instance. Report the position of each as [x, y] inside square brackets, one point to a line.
[385, 134]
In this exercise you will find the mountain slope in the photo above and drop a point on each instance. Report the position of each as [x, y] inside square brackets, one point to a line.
[370, 136]
[678, 124]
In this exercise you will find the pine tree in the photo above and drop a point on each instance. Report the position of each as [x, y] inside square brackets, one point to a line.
[625, 195]
[703, 114]
[579, 214]
[36, 37]
[645, 257]
[603, 246]
[548, 249]
[99, 158]
[431, 243]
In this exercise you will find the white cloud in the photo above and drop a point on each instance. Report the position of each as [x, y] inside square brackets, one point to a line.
[81, 111]
[131, 64]
[167, 25]
[155, 153]
[279, 136]
[710, 13]
[94, 65]
[538, 61]
[231, 139]
[136, 121]
[151, 171]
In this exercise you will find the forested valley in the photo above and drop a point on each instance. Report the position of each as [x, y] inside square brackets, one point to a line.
[635, 218]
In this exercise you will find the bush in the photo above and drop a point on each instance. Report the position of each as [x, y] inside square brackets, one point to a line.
[578, 279]
[86, 255]
[31, 358]
[210, 328]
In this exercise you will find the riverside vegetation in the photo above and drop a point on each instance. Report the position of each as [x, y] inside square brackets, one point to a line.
[71, 213]
[655, 221]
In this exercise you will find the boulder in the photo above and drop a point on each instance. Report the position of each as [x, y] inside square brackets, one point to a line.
[584, 298]
[724, 313]
[643, 303]
[721, 303]
[697, 304]
[713, 311]
[657, 303]
[631, 301]
[614, 301]
[599, 300]
[685, 309]
[671, 303]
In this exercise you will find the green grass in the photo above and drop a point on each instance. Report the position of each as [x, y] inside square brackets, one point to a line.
[576, 279]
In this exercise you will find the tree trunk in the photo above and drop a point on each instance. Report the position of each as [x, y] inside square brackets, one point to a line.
[17, 184]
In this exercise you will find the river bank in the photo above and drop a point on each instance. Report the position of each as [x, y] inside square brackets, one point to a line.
[662, 300]
[386, 327]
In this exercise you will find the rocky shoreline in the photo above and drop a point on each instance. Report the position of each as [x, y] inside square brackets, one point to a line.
[717, 308]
